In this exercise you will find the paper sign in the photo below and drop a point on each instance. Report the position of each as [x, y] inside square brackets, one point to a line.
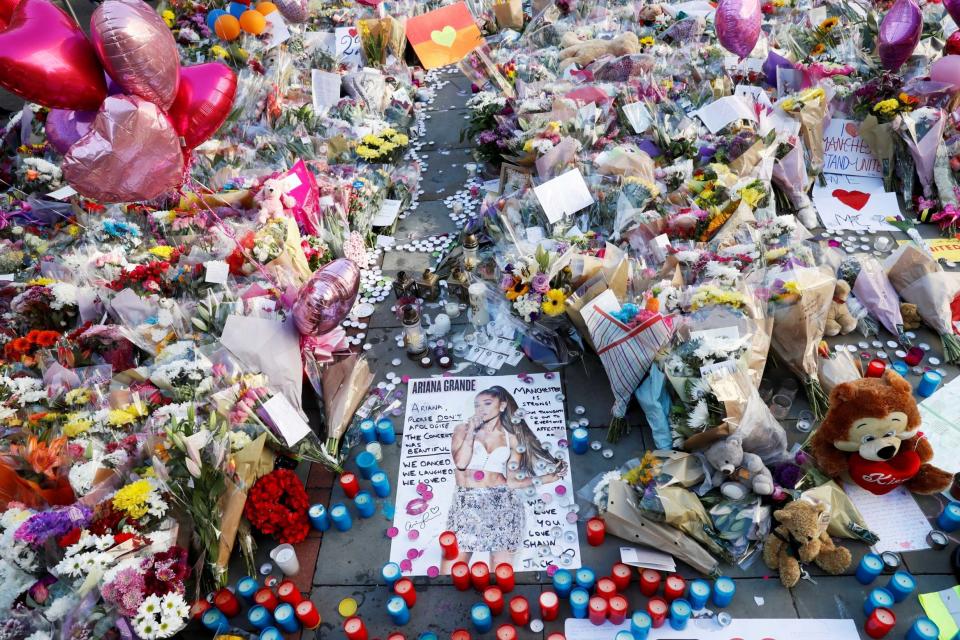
[285, 418]
[648, 559]
[940, 415]
[279, 33]
[722, 112]
[6, 277]
[564, 195]
[62, 193]
[854, 203]
[323, 40]
[217, 271]
[941, 248]
[718, 336]
[638, 116]
[348, 45]
[845, 152]
[708, 629]
[753, 94]
[895, 517]
[388, 213]
[326, 89]
[444, 36]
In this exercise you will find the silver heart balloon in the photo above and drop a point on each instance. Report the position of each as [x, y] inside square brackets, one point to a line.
[327, 297]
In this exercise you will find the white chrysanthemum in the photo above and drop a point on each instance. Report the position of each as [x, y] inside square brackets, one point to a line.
[150, 606]
[146, 627]
[59, 608]
[699, 416]
[173, 605]
[39, 635]
[64, 293]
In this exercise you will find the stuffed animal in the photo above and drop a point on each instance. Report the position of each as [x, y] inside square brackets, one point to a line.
[839, 319]
[871, 434]
[583, 53]
[737, 471]
[802, 536]
[273, 200]
[911, 317]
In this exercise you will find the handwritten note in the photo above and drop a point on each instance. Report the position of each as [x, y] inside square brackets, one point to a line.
[348, 45]
[722, 112]
[286, 419]
[708, 629]
[895, 518]
[326, 88]
[564, 195]
[854, 202]
[845, 152]
[940, 414]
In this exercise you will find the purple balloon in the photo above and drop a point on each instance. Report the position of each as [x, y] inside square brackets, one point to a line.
[899, 34]
[327, 297]
[738, 25]
[65, 126]
[953, 8]
[773, 62]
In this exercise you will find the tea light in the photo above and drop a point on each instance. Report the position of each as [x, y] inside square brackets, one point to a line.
[405, 589]
[398, 611]
[368, 430]
[901, 368]
[674, 587]
[598, 608]
[698, 594]
[585, 578]
[349, 484]
[877, 599]
[579, 600]
[657, 609]
[871, 566]
[354, 629]
[266, 598]
[620, 574]
[319, 518]
[506, 632]
[596, 531]
[381, 484]
[307, 614]
[198, 608]
[271, 633]
[563, 583]
[341, 517]
[288, 592]
[928, 383]
[679, 614]
[214, 620]
[914, 356]
[481, 618]
[640, 625]
[901, 585]
[520, 611]
[259, 618]
[549, 606]
[649, 582]
[225, 601]
[367, 464]
[448, 545]
[891, 561]
[460, 574]
[949, 518]
[286, 618]
[493, 598]
[385, 433]
[618, 609]
[879, 623]
[923, 628]
[505, 579]
[365, 505]
[723, 590]
[480, 575]
[580, 440]
[377, 450]
[390, 573]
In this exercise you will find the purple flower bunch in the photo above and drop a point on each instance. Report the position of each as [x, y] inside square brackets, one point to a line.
[40, 527]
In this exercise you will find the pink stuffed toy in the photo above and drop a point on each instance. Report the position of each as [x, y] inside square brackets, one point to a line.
[273, 201]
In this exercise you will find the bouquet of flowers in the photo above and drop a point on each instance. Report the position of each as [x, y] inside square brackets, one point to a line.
[869, 283]
[537, 286]
[809, 107]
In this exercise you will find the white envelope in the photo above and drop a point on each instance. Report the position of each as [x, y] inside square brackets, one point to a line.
[269, 346]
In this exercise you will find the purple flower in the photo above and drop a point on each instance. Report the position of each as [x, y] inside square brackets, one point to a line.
[486, 137]
[540, 283]
[506, 282]
[40, 527]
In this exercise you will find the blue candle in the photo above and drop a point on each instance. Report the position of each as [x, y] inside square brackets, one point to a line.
[214, 620]
[246, 587]
[580, 440]
[879, 598]
[640, 624]
[586, 579]
[562, 583]
[390, 573]
[928, 384]
[923, 629]
[341, 517]
[398, 611]
[271, 633]
[901, 367]
[428, 635]
[698, 594]
[286, 618]
[623, 635]
[723, 590]
[579, 600]
[871, 566]
[367, 464]
[949, 518]
[901, 585]
[679, 614]
[365, 505]
[259, 617]
[381, 484]
[385, 432]
[482, 620]
[319, 518]
[368, 430]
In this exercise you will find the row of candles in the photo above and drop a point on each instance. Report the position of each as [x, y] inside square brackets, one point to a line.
[271, 612]
[338, 516]
[878, 607]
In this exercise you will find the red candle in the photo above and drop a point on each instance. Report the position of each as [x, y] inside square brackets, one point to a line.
[618, 609]
[355, 629]
[448, 544]
[350, 484]
[598, 609]
[307, 614]
[198, 608]
[460, 573]
[674, 587]
[549, 606]
[396, 635]
[458, 634]
[620, 574]
[226, 602]
[596, 531]
[480, 575]
[556, 636]
[876, 368]
[267, 598]
[606, 588]
[649, 582]
[914, 356]
[404, 588]
[520, 611]
[880, 622]
[506, 632]
[289, 593]
[657, 610]
[504, 573]
[493, 598]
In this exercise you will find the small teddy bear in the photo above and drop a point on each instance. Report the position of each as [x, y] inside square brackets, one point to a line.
[911, 317]
[273, 200]
[802, 536]
[839, 319]
[737, 471]
[583, 53]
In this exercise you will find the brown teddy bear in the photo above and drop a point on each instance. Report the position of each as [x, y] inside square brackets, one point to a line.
[911, 317]
[583, 53]
[802, 536]
[839, 319]
[871, 434]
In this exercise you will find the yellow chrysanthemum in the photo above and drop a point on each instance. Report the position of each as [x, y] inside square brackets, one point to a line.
[125, 416]
[132, 499]
[389, 132]
[76, 426]
[887, 107]
[387, 147]
[169, 17]
[219, 52]
[401, 139]
[77, 396]
[162, 251]
[647, 41]
[751, 196]
[366, 152]
[554, 303]
[41, 282]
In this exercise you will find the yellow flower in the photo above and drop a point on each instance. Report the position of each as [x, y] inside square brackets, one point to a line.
[829, 23]
[646, 41]
[818, 49]
[528, 146]
[169, 17]
[791, 287]
[553, 126]
[389, 132]
[372, 140]
[77, 396]
[132, 499]
[401, 139]
[218, 52]
[73, 230]
[76, 425]
[775, 254]
[121, 417]
[751, 196]
[387, 147]
[41, 282]
[787, 104]
[887, 107]
[162, 251]
[554, 303]
[366, 152]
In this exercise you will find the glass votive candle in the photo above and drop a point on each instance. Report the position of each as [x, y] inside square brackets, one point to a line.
[780, 406]
[883, 243]
[377, 451]
[914, 356]
[805, 420]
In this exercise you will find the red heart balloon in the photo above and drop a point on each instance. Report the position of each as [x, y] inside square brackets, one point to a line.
[952, 47]
[45, 58]
[6, 10]
[203, 101]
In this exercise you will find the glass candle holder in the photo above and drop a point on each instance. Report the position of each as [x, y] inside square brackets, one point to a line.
[413, 335]
[780, 406]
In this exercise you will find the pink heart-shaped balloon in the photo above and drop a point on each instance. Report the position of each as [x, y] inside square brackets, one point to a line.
[45, 58]
[6, 10]
[137, 49]
[293, 10]
[66, 126]
[131, 153]
[203, 101]
[953, 8]
[899, 34]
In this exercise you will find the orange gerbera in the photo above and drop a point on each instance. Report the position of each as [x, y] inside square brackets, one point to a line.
[518, 289]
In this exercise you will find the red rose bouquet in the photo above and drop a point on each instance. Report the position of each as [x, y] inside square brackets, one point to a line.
[277, 505]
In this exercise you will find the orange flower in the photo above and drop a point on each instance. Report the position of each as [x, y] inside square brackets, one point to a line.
[32, 174]
[653, 305]
[43, 457]
[518, 289]
[819, 49]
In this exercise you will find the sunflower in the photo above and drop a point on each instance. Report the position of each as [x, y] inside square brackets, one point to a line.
[818, 49]
[829, 23]
[519, 288]
[554, 303]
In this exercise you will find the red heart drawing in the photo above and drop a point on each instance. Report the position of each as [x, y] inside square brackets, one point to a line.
[853, 199]
[353, 32]
[851, 128]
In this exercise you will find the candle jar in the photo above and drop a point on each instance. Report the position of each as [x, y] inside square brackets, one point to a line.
[585, 579]
[679, 614]
[198, 608]
[288, 592]
[428, 286]
[949, 518]
[405, 589]
[657, 609]
[355, 629]
[390, 573]
[724, 589]
[259, 618]
[923, 628]
[928, 383]
[319, 518]
[367, 464]
[470, 246]
[480, 575]
[458, 285]
[875, 368]
[286, 618]
[403, 285]
[493, 598]
[265, 597]
[520, 611]
[580, 440]
[901, 585]
[879, 623]
[579, 600]
[350, 484]
[674, 587]
[285, 557]
[308, 615]
[385, 432]
[506, 632]
[606, 588]
[598, 608]
[215, 621]
[596, 531]
[640, 625]
[246, 587]
[699, 593]
[479, 315]
[549, 606]
[481, 618]
[365, 504]
[341, 517]
[413, 337]
[398, 611]
[879, 598]
[381, 484]
[563, 583]
[871, 566]
[618, 609]
[460, 574]
[271, 633]
[505, 577]
[368, 431]
[225, 601]
[914, 356]
[621, 574]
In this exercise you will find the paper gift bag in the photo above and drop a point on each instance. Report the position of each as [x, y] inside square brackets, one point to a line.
[509, 14]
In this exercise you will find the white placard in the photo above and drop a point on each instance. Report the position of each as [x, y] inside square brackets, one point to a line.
[566, 194]
[348, 45]
[279, 33]
[895, 517]
[388, 213]
[6, 277]
[326, 89]
[722, 112]
[940, 416]
[854, 203]
[708, 629]
[845, 152]
[290, 182]
[429, 495]
[285, 418]
[217, 271]
[62, 193]
[324, 40]
[638, 116]
[718, 336]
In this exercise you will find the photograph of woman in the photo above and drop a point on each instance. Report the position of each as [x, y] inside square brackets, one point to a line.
[496, 456]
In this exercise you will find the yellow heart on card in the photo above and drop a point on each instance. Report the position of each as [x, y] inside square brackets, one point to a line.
[444, 37]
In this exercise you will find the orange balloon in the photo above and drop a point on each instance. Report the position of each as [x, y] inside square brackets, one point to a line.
[266, 8]
[253, 22]
[227, 27]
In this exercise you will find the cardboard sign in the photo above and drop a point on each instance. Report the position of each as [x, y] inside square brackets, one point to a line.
[348, 45]
[852, 202]
[444, 36]
[845, 152]
[566, 194]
